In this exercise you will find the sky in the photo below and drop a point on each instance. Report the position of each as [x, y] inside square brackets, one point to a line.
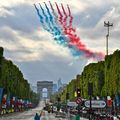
[35, 52]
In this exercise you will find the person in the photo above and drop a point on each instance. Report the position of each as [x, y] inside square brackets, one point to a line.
[37, 117]
[49, 109]
[41, 113]
[115, 116]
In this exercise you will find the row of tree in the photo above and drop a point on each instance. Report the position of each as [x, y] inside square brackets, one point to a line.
[12, 80]
[105, 76]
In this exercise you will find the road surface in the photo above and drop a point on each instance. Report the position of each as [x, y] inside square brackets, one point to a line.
[29, 115]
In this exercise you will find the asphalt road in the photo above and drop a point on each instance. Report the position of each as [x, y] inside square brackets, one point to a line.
[29, 115]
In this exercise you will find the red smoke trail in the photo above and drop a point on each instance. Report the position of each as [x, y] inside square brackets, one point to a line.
[59, 12]
[68, 29]
[71, 20]
[65, 18]
[74, 39]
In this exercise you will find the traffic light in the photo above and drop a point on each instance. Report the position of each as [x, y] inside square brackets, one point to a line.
[78, 92]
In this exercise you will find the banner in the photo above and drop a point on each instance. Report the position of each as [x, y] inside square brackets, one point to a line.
[1, 94]
[117, 99]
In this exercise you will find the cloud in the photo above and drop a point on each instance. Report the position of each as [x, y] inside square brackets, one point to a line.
[24, 19]
[5, 12]
[95, 34]
[22, 48]
[51, 68]
[29, 46]
[90, 17]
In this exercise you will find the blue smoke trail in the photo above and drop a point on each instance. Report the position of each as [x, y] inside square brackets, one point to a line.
[53, 11]
[58, 37]
[41, 18]
[47, 20]
[50, 15]
[51, 18]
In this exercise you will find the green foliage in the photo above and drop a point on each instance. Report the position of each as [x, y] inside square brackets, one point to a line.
[1, 52]
[105, 76]
[1, 56]
[11, 78]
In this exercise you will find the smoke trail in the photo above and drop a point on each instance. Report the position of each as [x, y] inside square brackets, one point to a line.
[75, 41]
[73, 38]
[57, 33]
[41, 18]
[50, 15]
[53, 11]
[51, 18]
[60, 14]
[65, 18]
[71, 20]
[56, 22]
[81, 48]
[67, 29]
[47, 20]
[67, 37]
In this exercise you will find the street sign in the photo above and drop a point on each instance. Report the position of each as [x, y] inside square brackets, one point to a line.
[95, 103]
[72, 104]
[78, 100]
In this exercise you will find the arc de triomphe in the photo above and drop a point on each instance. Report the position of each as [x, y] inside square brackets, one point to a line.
[45, 84]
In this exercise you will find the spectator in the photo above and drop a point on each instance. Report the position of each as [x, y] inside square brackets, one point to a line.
[115, 116]
[37, 117]
[41, 113]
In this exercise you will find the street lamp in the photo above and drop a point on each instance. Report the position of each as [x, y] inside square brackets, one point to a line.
[108, 25]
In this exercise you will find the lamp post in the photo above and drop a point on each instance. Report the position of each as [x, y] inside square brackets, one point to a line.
[108, 25]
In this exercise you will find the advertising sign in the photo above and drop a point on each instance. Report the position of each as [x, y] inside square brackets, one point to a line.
[72, 104]
[95, 103]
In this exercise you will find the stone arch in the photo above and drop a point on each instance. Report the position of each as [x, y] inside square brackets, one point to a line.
[45, 84]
